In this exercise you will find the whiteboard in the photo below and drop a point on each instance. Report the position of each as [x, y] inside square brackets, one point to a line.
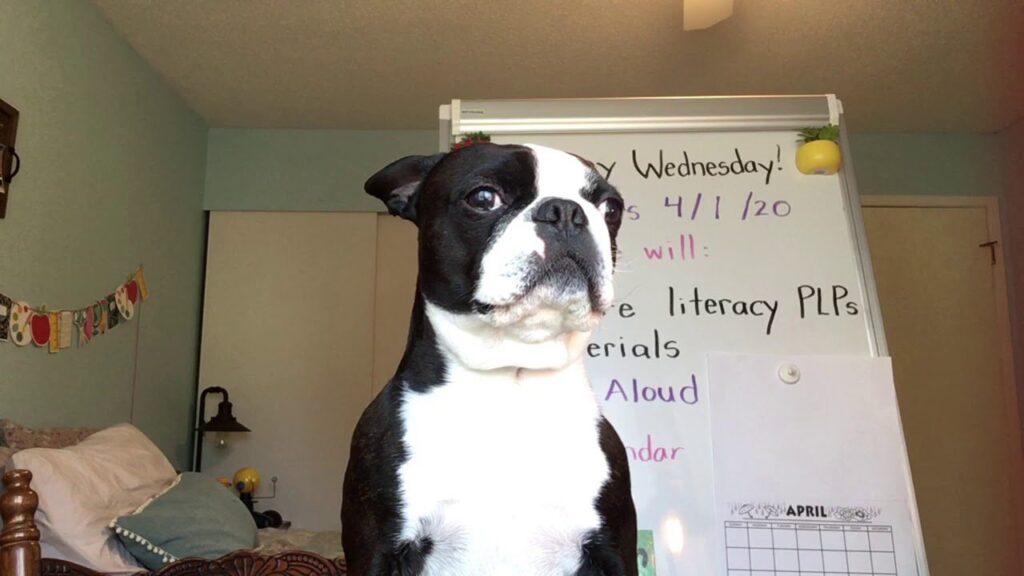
[725, 246]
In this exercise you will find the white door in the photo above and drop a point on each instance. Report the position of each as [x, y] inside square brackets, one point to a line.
[288, 331]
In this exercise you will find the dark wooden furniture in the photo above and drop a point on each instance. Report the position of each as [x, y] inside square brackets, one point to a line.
[20, 553]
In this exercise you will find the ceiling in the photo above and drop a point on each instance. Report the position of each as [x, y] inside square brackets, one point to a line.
[898, 65]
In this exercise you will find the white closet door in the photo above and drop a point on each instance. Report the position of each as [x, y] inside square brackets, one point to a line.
[288, 331]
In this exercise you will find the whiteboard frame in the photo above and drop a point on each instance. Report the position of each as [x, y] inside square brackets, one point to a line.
[695, 114]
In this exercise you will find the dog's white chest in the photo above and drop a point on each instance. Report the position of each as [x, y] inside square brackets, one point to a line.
[503, 472]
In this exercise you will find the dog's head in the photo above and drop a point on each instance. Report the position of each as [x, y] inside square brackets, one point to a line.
[516, 247]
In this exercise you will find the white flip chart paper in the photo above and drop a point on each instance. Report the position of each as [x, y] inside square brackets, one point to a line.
[809, 467]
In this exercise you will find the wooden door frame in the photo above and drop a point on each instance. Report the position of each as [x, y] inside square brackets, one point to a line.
[1002, 309]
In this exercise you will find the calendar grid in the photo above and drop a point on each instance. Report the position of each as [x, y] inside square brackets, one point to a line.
[819, 548]
[748, 540]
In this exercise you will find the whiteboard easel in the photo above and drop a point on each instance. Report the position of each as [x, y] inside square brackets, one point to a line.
[598, 128]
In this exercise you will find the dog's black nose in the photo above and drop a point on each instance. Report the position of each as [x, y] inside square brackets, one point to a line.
[565, 215]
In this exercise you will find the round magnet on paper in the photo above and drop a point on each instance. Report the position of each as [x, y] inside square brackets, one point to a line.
[789, 374]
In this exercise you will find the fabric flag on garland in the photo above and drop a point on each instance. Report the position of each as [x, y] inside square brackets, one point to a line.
[56, 330]
[79, 322]
[41, 327]
[113, 317]
[5, 318]
[140, 279]
[93, 323]
[99, 324]
[21, 324]
[67, 328]
[124, 306]
[104, 312]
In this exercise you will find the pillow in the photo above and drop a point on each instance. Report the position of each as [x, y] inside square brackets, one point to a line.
[18, 437]
[83, 487]
[196, 517]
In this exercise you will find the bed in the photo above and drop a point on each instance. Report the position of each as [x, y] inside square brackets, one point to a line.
[292, 552]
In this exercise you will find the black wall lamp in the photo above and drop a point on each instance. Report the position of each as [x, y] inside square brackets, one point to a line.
[222, 421]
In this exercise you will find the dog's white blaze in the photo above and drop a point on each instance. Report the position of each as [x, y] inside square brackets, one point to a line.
[504, 470]
[505, 265]
[560, 174]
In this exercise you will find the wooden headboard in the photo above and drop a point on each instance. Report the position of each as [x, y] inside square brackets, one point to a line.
[19, 539]
[20, 553]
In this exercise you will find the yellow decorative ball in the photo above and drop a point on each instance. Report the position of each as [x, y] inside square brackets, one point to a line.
[247, 480]
[819, 157]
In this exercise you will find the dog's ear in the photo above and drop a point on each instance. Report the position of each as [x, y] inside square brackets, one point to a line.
[397, 183]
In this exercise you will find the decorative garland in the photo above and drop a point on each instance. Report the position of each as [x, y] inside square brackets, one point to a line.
[21, 323]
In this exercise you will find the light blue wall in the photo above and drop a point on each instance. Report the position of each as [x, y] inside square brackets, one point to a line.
[325, 169]
[315, 170]
[112, 176]
[947, 164]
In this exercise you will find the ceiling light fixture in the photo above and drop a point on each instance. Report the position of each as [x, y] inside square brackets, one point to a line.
[701, 14]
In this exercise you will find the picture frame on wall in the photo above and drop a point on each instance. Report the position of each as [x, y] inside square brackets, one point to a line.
[9, 161]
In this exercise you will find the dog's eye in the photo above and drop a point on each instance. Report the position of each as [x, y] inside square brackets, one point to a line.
[484, 198]
[612, 210]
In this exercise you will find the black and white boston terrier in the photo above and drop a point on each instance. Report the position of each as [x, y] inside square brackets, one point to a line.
[487, 454]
